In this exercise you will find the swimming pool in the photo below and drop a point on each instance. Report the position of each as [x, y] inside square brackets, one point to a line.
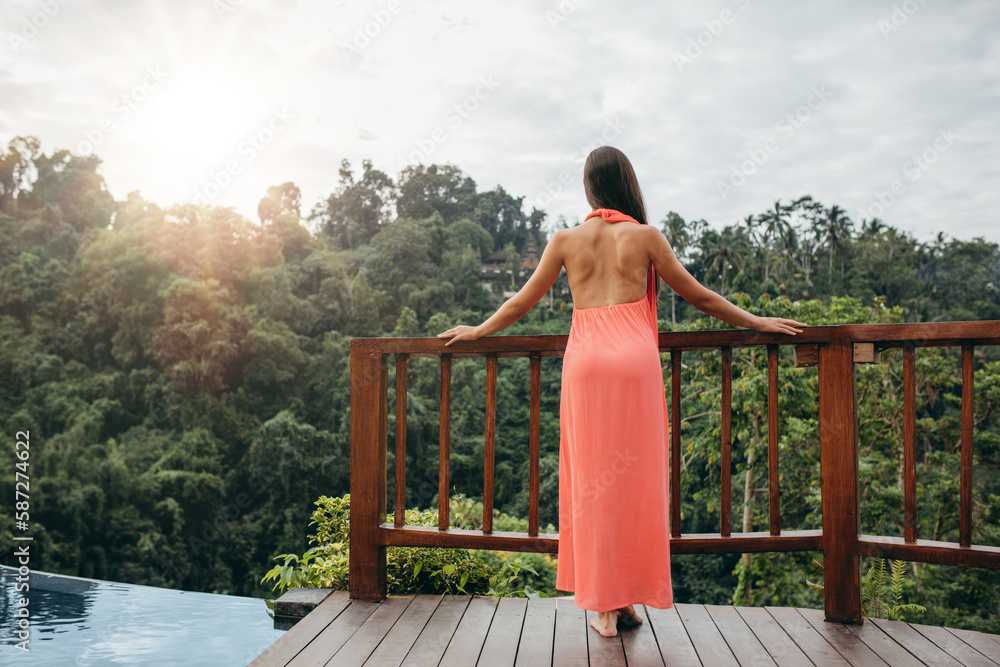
[76, 621]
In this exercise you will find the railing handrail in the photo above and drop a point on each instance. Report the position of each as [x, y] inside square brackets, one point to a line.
[833, 348]
[921, 334]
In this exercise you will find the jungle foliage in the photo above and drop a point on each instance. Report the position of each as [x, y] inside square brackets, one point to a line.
[184, 373]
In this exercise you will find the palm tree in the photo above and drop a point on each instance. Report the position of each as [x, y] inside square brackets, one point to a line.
[835, 230]
[928, 255]
[776, 225]
[751, 223]
[788, 252]
[806, 254]
[756, 259]
[872, 228]
[724, 250]
[679, 237]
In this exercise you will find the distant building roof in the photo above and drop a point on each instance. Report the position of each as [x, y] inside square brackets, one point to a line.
[499, 257]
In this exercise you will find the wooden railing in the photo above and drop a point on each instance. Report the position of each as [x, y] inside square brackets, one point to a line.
[834, 349]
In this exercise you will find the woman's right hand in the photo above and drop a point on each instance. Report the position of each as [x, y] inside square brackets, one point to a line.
[778, 325]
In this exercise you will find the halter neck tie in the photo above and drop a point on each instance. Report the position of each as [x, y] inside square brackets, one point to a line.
[612, 215]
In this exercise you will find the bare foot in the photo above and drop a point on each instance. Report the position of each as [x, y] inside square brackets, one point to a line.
[606, 623]
[628, 617]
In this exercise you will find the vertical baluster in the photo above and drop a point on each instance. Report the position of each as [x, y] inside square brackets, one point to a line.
[383, 434]
[533, 449]
[444, 447]
[400, 509]
[675, 443]
[909, 444]
[491, 430]
[965, 499]
[727, 414]
[773, 484]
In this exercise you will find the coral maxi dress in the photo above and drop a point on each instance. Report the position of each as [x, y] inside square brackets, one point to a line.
[614, 545]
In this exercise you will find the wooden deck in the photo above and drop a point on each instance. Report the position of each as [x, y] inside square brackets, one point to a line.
[426, 630]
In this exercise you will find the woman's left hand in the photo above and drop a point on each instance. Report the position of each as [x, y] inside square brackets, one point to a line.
[779, 325]
[461, 332]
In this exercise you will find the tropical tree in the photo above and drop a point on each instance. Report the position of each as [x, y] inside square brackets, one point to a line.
[17, 165]
[723, 251]
[442, 188]
[356, 211]
[775, 225]
[834, 229]
[679, 237]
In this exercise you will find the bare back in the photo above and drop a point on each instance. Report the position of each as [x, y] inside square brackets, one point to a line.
[606, 262]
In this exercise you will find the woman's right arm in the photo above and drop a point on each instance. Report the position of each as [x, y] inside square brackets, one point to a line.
[681, 281]
[543, 277]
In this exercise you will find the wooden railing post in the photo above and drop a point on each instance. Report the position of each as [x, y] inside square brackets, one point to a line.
[838, 427]
[369, 387]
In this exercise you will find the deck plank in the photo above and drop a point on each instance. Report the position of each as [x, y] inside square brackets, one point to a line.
[299, 635]
[846, 642]
[500, 649]
[421, 630]
[355, 651]
[335, 635]
[397, 643]
[570, 645]
[467, 644]
[604, 651]
[708, 641]
[914, 642]
[639, 642]
[676, 648]
[884, 646]
[436, 635]
[976, 640]
[953, 646]
[782, 649]
[741, 640]
[806, 637]
[537, 633]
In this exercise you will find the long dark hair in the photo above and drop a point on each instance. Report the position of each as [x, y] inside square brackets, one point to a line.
[609, 182]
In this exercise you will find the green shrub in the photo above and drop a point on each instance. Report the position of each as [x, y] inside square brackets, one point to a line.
[412, 569]
[878, 600]
[539, 569]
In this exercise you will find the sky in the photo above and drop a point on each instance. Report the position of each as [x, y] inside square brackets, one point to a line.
[886, 108]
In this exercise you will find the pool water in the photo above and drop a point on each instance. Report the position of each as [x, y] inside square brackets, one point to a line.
[76, 621]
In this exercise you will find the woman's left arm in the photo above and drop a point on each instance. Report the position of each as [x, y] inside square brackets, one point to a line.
[518, 305]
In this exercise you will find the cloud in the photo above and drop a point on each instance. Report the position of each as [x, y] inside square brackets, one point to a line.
[695, 90]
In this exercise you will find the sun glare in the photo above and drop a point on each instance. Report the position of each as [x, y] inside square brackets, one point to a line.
[197, 119]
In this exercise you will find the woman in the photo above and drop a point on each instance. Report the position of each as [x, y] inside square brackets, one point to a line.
[613, 470]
